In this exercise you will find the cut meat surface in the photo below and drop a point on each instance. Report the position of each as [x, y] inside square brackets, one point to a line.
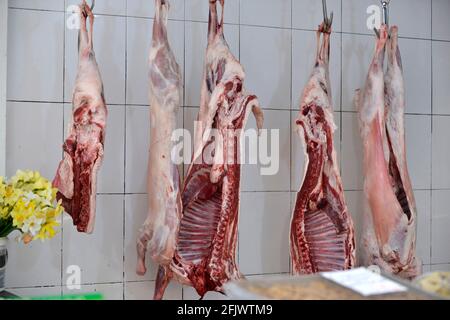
[159, 232]
[390, 214]
[205, 257]
[322, 235]
[76, 177]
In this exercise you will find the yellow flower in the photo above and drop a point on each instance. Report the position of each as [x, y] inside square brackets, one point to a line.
[47, 231]
[21, 212]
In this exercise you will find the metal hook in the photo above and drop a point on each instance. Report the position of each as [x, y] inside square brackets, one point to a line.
[92, 5]
[328, 21]
[385, 7]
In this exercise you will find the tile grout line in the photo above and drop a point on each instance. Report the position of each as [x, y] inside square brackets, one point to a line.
[341, 116]
[247, 25]
[62, 152]
[430, 228]
[290, 125]
[184, 97]
[125, 154]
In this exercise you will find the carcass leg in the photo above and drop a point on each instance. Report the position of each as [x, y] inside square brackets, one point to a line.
[162, 281]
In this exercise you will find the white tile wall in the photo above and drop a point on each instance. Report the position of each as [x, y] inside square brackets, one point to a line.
[275, 41]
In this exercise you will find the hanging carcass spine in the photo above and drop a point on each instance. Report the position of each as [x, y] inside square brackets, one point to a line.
[322, 234]
[390, 215]
[76, 177]
[159, 232]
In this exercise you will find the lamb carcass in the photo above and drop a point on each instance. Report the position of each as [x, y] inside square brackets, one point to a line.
[76, 177]
[389, 232]
[159, 233]
[206, 248]
[322, 234]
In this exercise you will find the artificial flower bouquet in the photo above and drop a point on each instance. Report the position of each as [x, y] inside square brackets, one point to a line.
[28, 204]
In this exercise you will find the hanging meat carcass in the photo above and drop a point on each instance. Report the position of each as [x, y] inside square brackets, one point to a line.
[389, 232]
[76, 177]
[206, 248]
[322, 235]
[159, 233]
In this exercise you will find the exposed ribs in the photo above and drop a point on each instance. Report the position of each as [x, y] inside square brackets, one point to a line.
[76, 177]
[322, 235]
[205, 257]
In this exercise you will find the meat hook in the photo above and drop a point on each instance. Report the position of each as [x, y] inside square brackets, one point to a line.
[385, 6]
[328, 21]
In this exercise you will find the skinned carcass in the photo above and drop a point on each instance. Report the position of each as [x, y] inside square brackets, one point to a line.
[159, 232]
[322, 234]
[389, 231]
[206, 248]
[76, 177]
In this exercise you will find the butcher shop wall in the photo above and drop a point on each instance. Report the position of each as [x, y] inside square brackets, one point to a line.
[3, 57]
[276, 41]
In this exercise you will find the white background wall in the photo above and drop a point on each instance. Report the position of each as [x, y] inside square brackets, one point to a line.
[275, 41]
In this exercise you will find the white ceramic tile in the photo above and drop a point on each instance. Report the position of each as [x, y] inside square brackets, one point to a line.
[35, 55]
[198, 10]
[136, 210]
[111, 173]
[144, 8]
[114, 7]
[37, 4]
[99, 255]
[35, 264]
[416, 59]
[137, 146]
[189, 293]
[144, 291]
[110, 291]
[196, 42]
[38, 292]
[268, 67]
[266, 13]
[303, 59]
[139, 34]
[357, 54]
[351, 153]
[109, 47]
[297, 152]
[441, 77]
[441, 22]
[440, 267]
[355, 205]
[418, 150]
[264, 232]
[277, 148]
[441, 152]
[423, 204]
[308, 14]
[34, 132]
[440, 225]
[426, 268]
[412, 16]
